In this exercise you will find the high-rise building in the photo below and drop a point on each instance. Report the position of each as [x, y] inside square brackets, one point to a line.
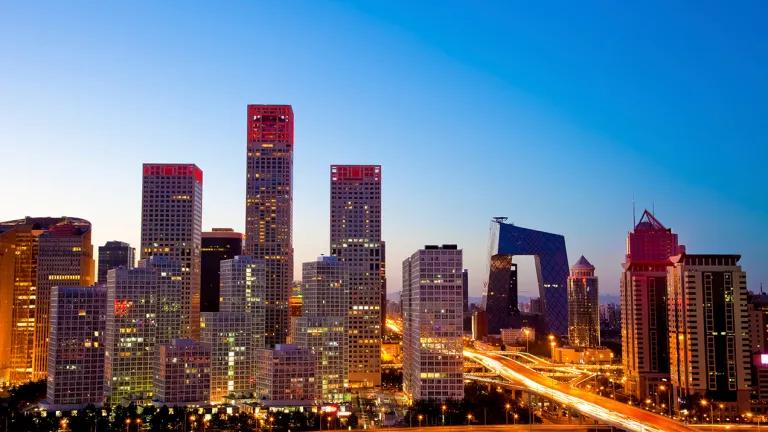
[169, 292]
[171, 225]
[583, 305]
[230, 337]
[757, 308]
[432, 316]
[322, 327]
[217, 245]
[708, 321]
[644, 335]
[19, 247]
[76, 347]
[64, 258]
[548, 250]
[183, 373]
[112, 255]
[356, 241]
[465, 289]
[131, 334]
[269, 208]
[286, 376]
[243, 289]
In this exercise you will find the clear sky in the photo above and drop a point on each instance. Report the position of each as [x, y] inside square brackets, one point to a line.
[554, 114]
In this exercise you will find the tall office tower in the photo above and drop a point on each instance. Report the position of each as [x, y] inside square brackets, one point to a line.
[356, 240]
[432, 317]
[112, 255]
[230, 337]
[64, 258]
[183, 373]
[644, 335]
[322, 327]
[708, 321]
[504, 312]
[286, 377]
[19, 250]
[171, 223]
[583, 305]
[169, 291]
[217, 245]
[76, 347]
[131, 334]
[465, 289]
[243, 287]
[269, 208]
[757, 308]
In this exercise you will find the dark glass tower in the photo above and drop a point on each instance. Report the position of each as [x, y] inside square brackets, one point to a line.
[508, 240]
[113, 255]
[217, 245]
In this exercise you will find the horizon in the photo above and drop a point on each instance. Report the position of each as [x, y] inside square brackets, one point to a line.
[558, 118]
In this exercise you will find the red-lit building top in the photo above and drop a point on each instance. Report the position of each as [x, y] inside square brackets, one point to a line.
[355, 172]
[176, 170]
[268, 123]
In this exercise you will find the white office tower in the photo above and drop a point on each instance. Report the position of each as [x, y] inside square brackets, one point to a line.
[432, 316]
[183, 373]
[76, 347]
[322, 326]
[131, 334]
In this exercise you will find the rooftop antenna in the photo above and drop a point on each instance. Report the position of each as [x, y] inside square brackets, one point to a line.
[653, 208]
[761, 288]
[634, 222]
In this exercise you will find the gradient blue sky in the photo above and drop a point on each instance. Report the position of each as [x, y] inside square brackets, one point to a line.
[554, 114]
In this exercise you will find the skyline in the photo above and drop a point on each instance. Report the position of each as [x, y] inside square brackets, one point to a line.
[566, 117]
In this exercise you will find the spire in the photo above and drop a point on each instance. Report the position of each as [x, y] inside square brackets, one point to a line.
[583, 263]
[649, 222]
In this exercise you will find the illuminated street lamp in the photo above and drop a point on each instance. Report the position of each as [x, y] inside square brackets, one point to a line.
[506, 412]
[469, 418]
[62, 423]
[514, 418]
[527, 333]
[127, 424]
[443, 409]
[704, 403]
[420, 418]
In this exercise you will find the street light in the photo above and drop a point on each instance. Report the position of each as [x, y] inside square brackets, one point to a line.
[443, 409]
[127, 424]
[704, 403]
[506, 412]
[469, 418]
[527, 332]
[420, 418]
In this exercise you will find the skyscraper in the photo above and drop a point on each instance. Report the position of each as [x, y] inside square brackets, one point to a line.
[583, 305]
[243, 289]
[171, 224]
[708, 319]
[168, 295]
[64, 258]
[286, 376]
[432, 316]
[356, 241]
[269, 208]
[112, 255]
[644, 335]
[218, 245]
[131, 334]
[183, 373]
[76, 347]
[465, 289]
[322, 327]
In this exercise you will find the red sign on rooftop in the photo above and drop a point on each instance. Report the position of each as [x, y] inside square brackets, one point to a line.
[174, 170]
[356, 172]
[270, 123]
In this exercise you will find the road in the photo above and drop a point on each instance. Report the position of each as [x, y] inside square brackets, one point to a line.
[599, 408]
[496, 428]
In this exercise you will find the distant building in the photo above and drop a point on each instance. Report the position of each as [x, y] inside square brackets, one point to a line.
[356, 240]
[286, 377]
[217, 245]
[583, 313]
[233, 366]
[535, 306]
[64, 258]
[112, 255]
[479, 324]
[76, 347]
[644, 334]
[760, 381]
[433, 361]
[709, 347]
[183, 373]
[757, 308]
[171, 225]
[583, 355]
[243, 288]
[168, 293]
[269, 208]
[465, 289]
[518, 336]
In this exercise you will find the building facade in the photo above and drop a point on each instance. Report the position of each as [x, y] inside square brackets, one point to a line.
[233, 367]
[171, 225]
[322, 326]
[183, 373]
[112, 255]
[432, 316]
[217, 245]
[356, 241]
[131, 334]
[583, 305]
[64, 258]
[243, 289]
[269, 208]
[286, 377]
[644, 333]
[757, 308]
[76, 347]
[708, 322]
